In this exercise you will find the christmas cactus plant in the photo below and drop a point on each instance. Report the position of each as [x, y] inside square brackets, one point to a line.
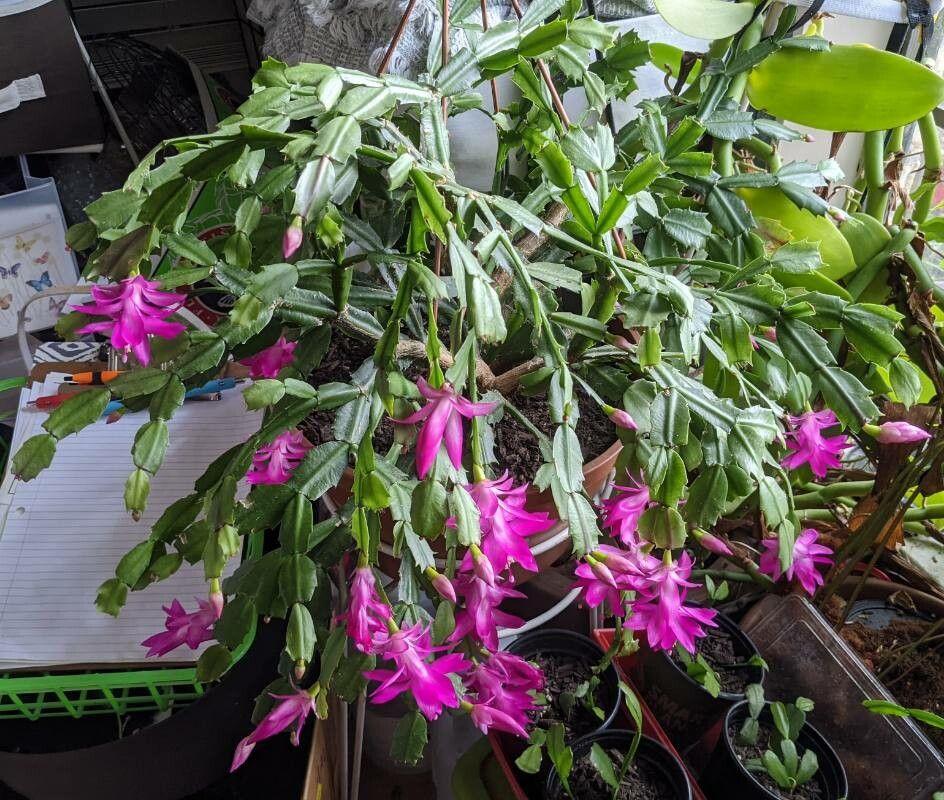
[713, 306]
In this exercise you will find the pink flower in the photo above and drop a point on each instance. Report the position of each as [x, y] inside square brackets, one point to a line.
[269, 362]
[485, 718]
[608, 572]
[292, 710]
[443, 415]
[661, 611]
[770, 334]
[900, 433]
[505, 524]
[293, 238]
[621, 514]
[620, 418]
[711, 543]
[427, 681]
[275, 462]
[504, 686]
[480, 613]
[809, 446]
[182, 628]
[137, 308]
[807, 553]
[367, 614]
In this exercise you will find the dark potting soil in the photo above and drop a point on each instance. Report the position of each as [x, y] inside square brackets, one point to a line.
[563, 675]
[344, 356]
[518, 450]
[917, 681]
[641, 782]
[723, 653]
[811, 790]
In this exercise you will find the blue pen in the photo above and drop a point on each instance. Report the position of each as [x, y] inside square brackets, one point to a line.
[211, 387]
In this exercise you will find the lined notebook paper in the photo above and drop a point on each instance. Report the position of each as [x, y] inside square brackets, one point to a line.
[66, 530]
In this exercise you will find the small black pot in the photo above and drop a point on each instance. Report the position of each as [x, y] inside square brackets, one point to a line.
[683, 706]
[650, 751]
[563, 642]
[725, 777]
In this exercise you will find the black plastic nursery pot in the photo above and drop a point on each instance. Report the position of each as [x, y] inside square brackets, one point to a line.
[683, 706]
[567, 645]
[651, 757]
[726, 777]
[168, 760]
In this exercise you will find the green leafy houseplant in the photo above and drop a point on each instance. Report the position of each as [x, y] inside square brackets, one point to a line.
[672, 276]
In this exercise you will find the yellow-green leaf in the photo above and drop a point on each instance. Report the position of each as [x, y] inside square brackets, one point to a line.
[705, 19]
[845, 88]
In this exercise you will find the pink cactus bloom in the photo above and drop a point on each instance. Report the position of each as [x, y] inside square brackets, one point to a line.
[608, 572]
[661, 611]
[807, 553]
[809, 446]
[427, 681]
[137, 308]
[480, 614]
[504, 687]
[182, 628]
[367, 614]
[505, 523]
[443, 415]
[269, 362]
[292, 709]
[275, 462]
[505, 678]
[621, 513]
[293, 238]
[486, 718]
[901, 433]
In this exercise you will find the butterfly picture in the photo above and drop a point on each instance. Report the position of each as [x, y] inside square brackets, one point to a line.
[44, 282]
[42, 259]
[55, 304]
[25, 244]
[12, 272]
[6, 301]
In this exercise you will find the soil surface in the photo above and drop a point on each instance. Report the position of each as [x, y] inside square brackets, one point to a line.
[344, 356]
[518, 450]
[642, 781]
[917, 681]
[563, 674]
[811, 790]
[723, 653]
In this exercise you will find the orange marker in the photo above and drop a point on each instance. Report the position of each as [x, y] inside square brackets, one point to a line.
[94, 378]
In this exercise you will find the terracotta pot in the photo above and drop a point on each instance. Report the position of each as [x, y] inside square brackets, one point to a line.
[595, 474]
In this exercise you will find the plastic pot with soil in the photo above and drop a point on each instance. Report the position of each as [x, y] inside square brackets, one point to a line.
[685, 708]
[728, 776]
[517, 449]
[654, 774]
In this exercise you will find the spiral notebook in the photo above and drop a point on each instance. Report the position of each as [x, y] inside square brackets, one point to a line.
[65, 531]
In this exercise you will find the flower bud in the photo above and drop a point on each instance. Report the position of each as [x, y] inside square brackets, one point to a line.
[441, 584]
[711, 542]
[620, 418]
[897, 433]
[482, 566]
[292, 240]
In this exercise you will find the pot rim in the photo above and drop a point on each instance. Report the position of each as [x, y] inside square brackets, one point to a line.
[731, 624]
[584, 743]
[822, 748]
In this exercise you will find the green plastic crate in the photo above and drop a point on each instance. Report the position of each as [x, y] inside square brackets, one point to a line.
[116, 691]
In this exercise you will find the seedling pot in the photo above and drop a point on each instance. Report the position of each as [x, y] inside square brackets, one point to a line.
[655, 757]
[726, 777]
[683, 706]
